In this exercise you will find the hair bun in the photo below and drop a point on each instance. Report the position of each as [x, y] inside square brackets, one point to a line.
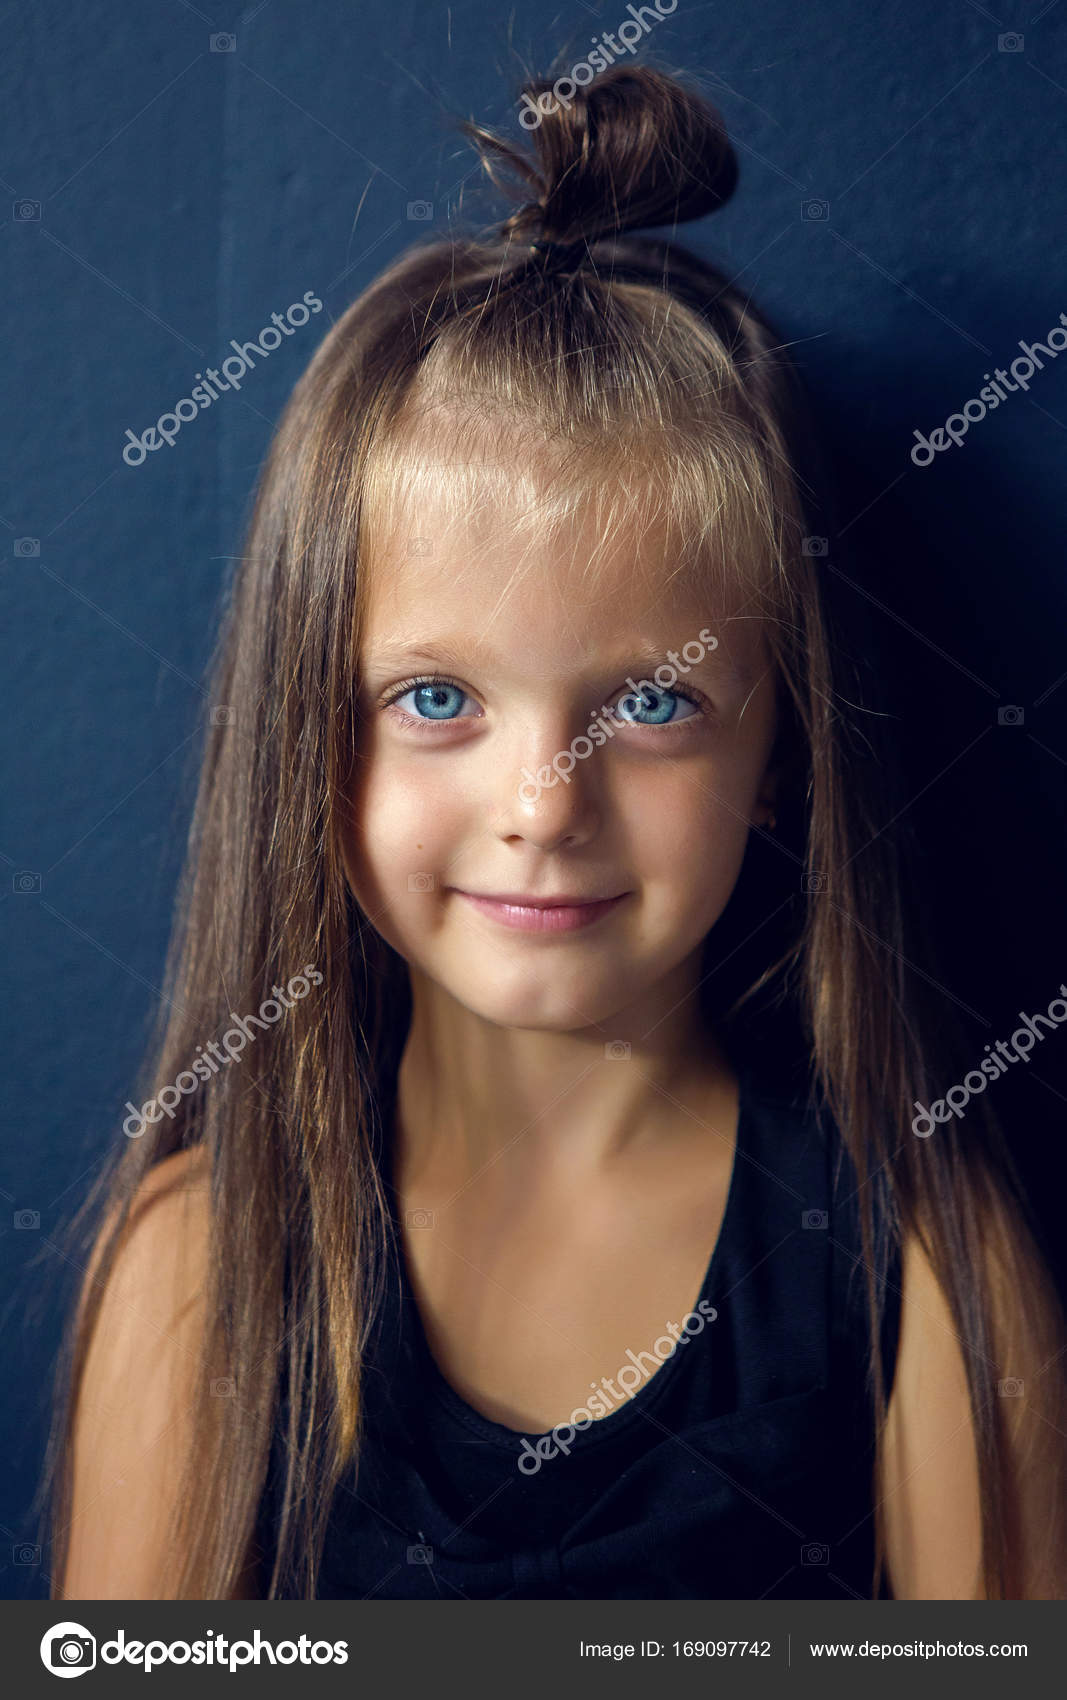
[632, 148]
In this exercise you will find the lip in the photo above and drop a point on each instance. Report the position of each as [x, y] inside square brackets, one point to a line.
[541, 914]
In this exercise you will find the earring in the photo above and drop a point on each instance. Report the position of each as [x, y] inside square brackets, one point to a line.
[772, 821]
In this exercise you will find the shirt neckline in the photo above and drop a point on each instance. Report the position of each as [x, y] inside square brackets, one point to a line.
[652, 1389]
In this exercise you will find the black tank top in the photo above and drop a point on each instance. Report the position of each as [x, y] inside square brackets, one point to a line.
[739, 1468]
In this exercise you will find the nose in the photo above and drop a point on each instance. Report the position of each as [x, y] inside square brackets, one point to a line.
[550, 795]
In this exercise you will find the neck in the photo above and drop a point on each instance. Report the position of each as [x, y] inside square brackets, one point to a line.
[471, 1093]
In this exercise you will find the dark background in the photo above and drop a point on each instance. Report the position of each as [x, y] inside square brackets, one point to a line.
[186, 194]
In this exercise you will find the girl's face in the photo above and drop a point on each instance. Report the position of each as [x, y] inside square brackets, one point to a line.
[525, 766]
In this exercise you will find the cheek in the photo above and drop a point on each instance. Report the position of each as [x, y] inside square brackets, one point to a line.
[400, 813]
[687, 831]
[708, 801]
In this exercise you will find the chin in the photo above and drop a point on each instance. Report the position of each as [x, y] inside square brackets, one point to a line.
[541, 1005]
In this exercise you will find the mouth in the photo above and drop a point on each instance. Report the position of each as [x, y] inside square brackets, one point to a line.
[542, 914]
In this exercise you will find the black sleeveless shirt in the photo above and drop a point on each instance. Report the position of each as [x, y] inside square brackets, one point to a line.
[739, 1468]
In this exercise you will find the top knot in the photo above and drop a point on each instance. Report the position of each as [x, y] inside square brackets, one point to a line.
[633, 148]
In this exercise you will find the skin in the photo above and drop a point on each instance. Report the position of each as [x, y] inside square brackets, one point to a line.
[506, 1024]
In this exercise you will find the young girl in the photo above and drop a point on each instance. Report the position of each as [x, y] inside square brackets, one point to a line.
[524, 1200]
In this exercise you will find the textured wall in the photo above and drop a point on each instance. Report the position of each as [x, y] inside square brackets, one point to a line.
[185, 194]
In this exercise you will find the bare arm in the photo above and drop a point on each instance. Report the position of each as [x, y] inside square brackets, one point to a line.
[139, 1392]
[929, 1484]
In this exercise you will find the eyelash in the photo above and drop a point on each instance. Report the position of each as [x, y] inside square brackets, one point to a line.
[695, 697]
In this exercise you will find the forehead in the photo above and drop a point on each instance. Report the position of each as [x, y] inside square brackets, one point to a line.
[507, 556]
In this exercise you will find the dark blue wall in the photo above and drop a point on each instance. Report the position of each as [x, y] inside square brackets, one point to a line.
[186, 194]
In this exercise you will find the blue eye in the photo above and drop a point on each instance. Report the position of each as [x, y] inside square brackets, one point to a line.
[437, 701]
[434, 699]
[659, 705]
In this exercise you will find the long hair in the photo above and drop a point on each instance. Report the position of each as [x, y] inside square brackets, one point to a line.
[563, 358]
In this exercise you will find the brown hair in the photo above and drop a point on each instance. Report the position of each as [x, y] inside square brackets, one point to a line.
[650, 386]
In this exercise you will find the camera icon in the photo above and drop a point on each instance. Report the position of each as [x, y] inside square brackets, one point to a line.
[223, 715]
[26, 212]
[25, 883]
[27, 1219]
[1010, 715]
[68, 1649]
[616, 1050]
[223, 43]
[27, 546]
[814, 1219]
[421, 1218]
[26, 1555]
[815, 546]
[422, 211]
[814, 1553]
[420, 1555]
[420, 882]
[1010, 1388]
[420, 546]
[223, 1387]
[1010, 43]
[815, 210]
[815, 882]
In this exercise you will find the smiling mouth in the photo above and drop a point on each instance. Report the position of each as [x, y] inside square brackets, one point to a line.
[542, 915]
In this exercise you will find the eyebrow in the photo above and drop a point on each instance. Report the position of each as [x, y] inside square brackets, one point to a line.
[448, 653]
[445, 652]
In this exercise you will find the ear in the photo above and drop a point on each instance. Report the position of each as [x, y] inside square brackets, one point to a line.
[767, 797]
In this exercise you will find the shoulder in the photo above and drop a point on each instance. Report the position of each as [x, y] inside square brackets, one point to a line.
[160, 1258]
[140, 1384]
[929, 1485]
